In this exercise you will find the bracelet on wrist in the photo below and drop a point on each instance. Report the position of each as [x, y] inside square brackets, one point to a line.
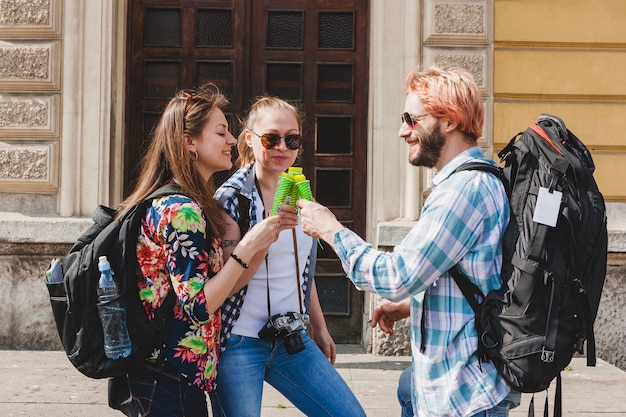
[239, 261]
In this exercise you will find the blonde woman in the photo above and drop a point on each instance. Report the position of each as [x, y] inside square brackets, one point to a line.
[263, 325]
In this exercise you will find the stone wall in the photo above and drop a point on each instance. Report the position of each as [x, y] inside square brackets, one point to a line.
[610, 324]
[27, 321]
[25, 252]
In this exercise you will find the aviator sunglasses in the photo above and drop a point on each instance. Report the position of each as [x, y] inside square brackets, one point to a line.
[411, 121]
[271, 140]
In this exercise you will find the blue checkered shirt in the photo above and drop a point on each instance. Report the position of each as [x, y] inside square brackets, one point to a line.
[242, 181]
[462, 223]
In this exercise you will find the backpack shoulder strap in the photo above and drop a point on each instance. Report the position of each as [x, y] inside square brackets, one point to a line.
[470, 291]
[480, 166]
[244, 213]
[166, 189]
[472, 294]
[170, 299]
[468, 288]
[135, 213]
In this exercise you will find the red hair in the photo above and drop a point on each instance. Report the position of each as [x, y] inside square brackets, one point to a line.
[450, 93]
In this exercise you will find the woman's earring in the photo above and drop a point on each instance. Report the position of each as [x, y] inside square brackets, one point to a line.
[195, 155]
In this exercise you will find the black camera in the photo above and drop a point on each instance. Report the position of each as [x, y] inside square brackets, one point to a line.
[286, 327]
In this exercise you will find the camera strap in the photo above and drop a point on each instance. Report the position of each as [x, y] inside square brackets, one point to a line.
[267, 278]
[295, 251]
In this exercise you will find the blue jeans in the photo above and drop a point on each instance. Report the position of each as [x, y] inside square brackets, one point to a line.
[159, 390]
[404, 398]
[502, 410]
[307, 379]
[405, 386]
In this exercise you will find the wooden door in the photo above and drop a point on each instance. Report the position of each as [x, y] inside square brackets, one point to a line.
[311, 52]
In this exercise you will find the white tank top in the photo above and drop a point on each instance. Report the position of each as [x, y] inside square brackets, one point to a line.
[283, 283]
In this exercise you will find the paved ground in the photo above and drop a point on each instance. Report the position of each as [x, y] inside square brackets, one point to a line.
[43, 383]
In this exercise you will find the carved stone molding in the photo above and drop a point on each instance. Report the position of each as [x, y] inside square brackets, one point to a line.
[30, 95]
[30, 66]
[450, 22]
[28, 116]
[27, 19]
[28, 167]
[476, 61]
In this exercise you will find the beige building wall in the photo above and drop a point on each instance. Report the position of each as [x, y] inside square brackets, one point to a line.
[61, 140]
[446, 33]
[567, 58]
[30, 101]
[61, 105]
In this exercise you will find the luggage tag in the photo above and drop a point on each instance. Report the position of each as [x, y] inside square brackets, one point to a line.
[547, 207]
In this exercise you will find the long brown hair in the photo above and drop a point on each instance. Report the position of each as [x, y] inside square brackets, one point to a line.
[260, 105]
[168, 157]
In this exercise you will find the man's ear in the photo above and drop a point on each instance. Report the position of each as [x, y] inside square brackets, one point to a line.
[450, 125]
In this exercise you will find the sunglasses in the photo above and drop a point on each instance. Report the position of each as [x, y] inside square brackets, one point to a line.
[411, 121]
[271, 140]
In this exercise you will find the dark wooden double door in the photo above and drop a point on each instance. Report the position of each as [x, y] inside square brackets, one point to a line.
[311, 52]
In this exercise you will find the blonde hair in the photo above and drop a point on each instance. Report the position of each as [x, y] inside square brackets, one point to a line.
[450, 93]
[260, 105]
[168, 157]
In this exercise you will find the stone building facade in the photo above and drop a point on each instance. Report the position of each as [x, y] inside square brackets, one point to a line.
[62, 85]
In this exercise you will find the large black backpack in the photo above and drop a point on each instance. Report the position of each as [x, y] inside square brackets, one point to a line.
[74, 301]
[552, 276]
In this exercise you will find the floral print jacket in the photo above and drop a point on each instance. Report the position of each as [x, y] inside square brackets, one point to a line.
[175, 254]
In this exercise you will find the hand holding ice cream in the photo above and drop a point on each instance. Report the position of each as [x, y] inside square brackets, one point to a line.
[318, 221]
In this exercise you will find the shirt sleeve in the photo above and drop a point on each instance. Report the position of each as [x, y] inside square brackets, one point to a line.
[226, 198]
[449, 227]
[190, 258]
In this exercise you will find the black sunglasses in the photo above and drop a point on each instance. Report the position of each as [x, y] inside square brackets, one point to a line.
[271, 140]
[411, 121]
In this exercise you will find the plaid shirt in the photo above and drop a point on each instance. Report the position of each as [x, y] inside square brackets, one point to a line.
[462, 223]
[242, 182]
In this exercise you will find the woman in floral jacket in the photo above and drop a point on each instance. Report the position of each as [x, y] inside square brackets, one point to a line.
[179, 251]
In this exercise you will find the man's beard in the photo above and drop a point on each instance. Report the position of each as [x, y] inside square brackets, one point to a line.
[430, 145]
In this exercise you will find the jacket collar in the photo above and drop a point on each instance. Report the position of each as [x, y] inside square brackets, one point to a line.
[473, 153]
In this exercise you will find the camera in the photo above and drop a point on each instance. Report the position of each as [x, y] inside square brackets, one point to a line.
[285, 327]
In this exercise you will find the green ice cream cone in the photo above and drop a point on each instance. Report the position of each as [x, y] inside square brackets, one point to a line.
[296, 172]
[285, 184]
[304, 190]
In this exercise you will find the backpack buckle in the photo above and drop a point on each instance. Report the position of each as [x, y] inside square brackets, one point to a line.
[547, 355]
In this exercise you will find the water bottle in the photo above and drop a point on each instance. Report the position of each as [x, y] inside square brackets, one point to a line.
[112, 314]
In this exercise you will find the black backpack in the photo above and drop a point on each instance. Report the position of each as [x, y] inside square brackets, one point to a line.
[74, 301]
[552, 276]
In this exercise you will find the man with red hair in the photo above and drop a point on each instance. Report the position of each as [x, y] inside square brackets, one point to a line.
[462, 223]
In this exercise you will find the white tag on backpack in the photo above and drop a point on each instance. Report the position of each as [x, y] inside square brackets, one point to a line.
[547, 207]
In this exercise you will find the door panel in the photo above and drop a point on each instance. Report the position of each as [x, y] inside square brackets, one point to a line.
[313, 53]
[173, 45]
